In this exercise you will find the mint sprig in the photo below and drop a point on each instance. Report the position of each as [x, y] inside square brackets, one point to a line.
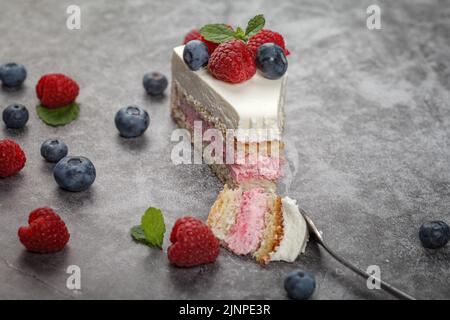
[217, 32]
[220, 33]
[138, 234]
[255, 25]
[152, 228]
[239, 33]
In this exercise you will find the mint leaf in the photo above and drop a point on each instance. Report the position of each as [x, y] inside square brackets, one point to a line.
[255, 25]
[58, 116]
[152, 223]
[138, 235]
[240, 34]
[220, 32]
[217, 33]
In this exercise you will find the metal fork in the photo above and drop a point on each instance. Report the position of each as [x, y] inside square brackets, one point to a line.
[317, 236]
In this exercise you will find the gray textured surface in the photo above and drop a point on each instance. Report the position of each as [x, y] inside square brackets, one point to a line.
[368, 132]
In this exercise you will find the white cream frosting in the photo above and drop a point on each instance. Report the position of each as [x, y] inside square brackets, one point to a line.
[256, 104]
[296, 233]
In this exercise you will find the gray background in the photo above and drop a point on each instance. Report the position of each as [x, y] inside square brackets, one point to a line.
[367, 136]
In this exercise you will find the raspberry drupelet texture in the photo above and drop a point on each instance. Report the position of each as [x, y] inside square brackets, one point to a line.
[46, 232]
[232, 62]
[12, 158]
[193, 243]
[266, 36]
[56, 90]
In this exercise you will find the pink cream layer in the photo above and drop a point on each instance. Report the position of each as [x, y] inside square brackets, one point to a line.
[192, 115]
[263, 168]
[245, 235]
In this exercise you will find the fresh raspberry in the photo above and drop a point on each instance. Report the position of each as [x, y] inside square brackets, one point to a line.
[46, 232]
[193, 243]
[232, 62]
[56, 90]
[195, 35]
[212, 46]
[12, 158]
[265, 36]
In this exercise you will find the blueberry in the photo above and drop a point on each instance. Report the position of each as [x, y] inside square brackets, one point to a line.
[74, 173]
[300, 284]
[15, 116]
[54, 150]
[195, 54]
[155, 83]
[434, 234]
[132, 121]
[13, 74]
[271, 61]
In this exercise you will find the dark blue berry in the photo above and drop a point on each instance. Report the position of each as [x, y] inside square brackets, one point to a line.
[299, 284]
[13, 74]
[15, 116]
[74, 173]
[434, 234]
[54, 150]
[155, 83]
[132, 121]
[195, 54]
[271, 61]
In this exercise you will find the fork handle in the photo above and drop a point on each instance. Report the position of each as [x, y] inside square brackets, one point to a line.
[384, 285]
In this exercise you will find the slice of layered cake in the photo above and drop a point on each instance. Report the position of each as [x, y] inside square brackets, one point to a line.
[223, 91]
[234, 82]
[259, 223]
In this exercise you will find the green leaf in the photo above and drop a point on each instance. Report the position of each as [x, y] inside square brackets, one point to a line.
[217, 33]
[58, 116]
[255, 25]
[240, 34]
[138, 234]
[152, 223]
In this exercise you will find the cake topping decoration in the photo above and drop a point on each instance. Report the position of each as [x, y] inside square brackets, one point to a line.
[195, 54]
[194, 34]
[234, 54]
[271, 61]
[220, 33]
[232, 62]
[266, 36]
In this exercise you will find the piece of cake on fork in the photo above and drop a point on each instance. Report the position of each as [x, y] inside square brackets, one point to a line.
[259, 223]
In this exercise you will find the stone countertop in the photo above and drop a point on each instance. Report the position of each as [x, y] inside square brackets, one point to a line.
[367, 132]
